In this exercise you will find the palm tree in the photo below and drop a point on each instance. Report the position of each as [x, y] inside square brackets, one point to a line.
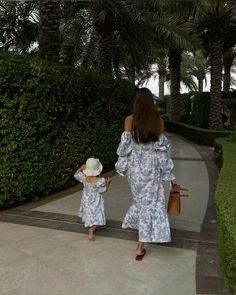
[49, 36]
[18, 25]
[175, 56]
[75, 31]
[106, 22]
[124, 25]
[216, 18]
[162, 71]
[195, 65]
[182, 38]
[228, 59]
[104, 19]
[125, 34]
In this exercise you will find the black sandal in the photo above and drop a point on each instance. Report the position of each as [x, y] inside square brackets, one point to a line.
[140, 257]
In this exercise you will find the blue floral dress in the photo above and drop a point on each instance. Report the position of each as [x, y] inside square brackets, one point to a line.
[92, 204]
[146, 166]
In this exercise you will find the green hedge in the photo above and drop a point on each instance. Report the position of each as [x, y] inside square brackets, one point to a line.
[200, 110]
[52, 119]
[185, 106]
[229, 97]
[195, 111]
[196, 134]
[226, 211]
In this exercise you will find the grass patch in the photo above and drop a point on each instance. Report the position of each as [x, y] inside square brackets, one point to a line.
[226, 211]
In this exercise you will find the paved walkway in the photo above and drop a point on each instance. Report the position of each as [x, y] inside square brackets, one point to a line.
[44, 251]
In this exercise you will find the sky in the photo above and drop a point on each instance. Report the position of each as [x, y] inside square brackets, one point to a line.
[152, 84]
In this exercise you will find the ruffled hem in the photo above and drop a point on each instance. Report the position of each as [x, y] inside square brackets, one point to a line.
[88, 222]
[153, 226]
[155, 241]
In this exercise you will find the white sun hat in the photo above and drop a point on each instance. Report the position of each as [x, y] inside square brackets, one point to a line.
[93, 167]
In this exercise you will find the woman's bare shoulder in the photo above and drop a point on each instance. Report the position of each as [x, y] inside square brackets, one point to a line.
[128, 123]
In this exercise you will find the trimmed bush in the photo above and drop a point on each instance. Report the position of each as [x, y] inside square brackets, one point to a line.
[185, 106]
[200, 109]
[196, 134]
[196, 111]
[226, 211]
[52, 119]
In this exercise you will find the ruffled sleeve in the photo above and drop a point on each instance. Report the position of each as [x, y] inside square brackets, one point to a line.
[162, 147]
[79, 176]
[101, 185]
[124, 148]
[123, 151]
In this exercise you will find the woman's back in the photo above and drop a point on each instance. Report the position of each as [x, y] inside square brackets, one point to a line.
[144, 158]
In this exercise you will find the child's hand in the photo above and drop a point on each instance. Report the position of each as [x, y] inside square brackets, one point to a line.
[108, 181]
[81, 168]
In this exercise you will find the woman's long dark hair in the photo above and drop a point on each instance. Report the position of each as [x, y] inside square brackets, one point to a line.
[147, 123]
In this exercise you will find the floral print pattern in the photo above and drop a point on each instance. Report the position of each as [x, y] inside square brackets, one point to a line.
[92, 203]
[146, 166]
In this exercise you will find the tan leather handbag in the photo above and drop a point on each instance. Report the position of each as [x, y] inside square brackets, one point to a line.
[174, 204]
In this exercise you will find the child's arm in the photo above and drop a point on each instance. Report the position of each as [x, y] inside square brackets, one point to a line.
[79, 175]
[108, 182]
[81, 168]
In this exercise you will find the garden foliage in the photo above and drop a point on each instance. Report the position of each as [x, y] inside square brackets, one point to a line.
[226, 208]
[52, 119]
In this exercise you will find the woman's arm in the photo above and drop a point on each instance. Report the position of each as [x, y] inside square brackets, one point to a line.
[128, 123]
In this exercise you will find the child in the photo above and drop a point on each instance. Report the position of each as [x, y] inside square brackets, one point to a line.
[92, 203]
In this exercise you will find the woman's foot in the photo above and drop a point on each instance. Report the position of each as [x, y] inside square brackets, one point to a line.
[139, 257]
[140, 251]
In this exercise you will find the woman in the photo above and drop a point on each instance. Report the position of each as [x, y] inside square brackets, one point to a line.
[144, 158]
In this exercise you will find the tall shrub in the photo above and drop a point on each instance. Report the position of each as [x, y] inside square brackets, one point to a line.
[185, 106]
[200, 109]
[52, 119]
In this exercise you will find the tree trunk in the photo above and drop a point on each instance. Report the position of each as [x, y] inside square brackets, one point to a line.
[226, 78]
[200, 85]
[174, 65]
[130, 72]
[216, 48]
[68, 54]
[49, 37]
[105, 53]
[161, 86]
[228, 59]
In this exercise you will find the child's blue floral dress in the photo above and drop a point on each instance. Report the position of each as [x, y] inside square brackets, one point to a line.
[146, 166]
[92, 204]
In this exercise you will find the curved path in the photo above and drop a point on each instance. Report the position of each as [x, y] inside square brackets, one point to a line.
[53, 256]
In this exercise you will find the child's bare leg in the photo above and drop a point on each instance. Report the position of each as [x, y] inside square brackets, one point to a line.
[90, 233]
